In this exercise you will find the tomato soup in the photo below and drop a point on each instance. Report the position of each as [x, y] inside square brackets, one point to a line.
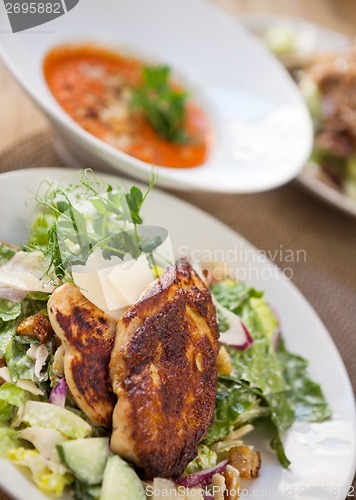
[95, 86]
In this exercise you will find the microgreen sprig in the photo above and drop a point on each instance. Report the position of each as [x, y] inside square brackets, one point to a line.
[75, 219]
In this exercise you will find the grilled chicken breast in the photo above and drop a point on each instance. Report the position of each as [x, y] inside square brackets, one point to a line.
[163, 370]
[87, 334]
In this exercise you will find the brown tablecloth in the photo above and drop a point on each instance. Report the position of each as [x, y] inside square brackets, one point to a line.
[279, 221]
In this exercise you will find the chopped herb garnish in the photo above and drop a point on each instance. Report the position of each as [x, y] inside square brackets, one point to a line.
[163, 105]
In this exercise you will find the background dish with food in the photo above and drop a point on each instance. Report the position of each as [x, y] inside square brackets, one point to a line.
[310, 53]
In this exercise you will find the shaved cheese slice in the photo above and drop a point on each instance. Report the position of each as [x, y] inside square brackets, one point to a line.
[90, 287]
[112, 285]
[163, 254]
[87, 279]
[130, 278]
[114, 299]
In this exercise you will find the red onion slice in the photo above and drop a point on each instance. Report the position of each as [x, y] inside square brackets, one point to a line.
[59, 393]
[202, 478]
[237, 335]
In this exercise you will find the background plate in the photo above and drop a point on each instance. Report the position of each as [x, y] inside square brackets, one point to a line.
[320, 38]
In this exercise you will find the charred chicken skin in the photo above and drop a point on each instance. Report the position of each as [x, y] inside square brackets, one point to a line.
[163, 370]
[88, 335]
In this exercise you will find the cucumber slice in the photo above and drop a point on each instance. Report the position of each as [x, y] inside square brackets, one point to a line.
[49, 416]
[86, 458]
[121, 482]
[86, 492]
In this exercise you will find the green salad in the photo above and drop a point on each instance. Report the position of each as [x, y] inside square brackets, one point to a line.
[41, 427]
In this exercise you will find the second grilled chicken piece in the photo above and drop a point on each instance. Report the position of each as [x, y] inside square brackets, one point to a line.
[163, 370]
[87, 334]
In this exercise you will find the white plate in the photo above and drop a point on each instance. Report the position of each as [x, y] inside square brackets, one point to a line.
[262, 131]
[318, 38]
[322, 454]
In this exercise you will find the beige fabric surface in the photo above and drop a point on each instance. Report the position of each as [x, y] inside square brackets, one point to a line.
[283, 220]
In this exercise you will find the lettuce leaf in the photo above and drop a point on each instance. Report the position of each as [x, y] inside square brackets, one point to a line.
[277, 446]
[14, 347]
[14, 350]
[49, 416]
[262, 370]
[11, 399]
[304, 395]
[234, 439]
[6, 412]
[45, 441]
[13, 395]
[234, 295]
[258, 365]
[9, 310]
[277, 379]
[205, 459]
[249, 305]
[8, 440]
[236, 405]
